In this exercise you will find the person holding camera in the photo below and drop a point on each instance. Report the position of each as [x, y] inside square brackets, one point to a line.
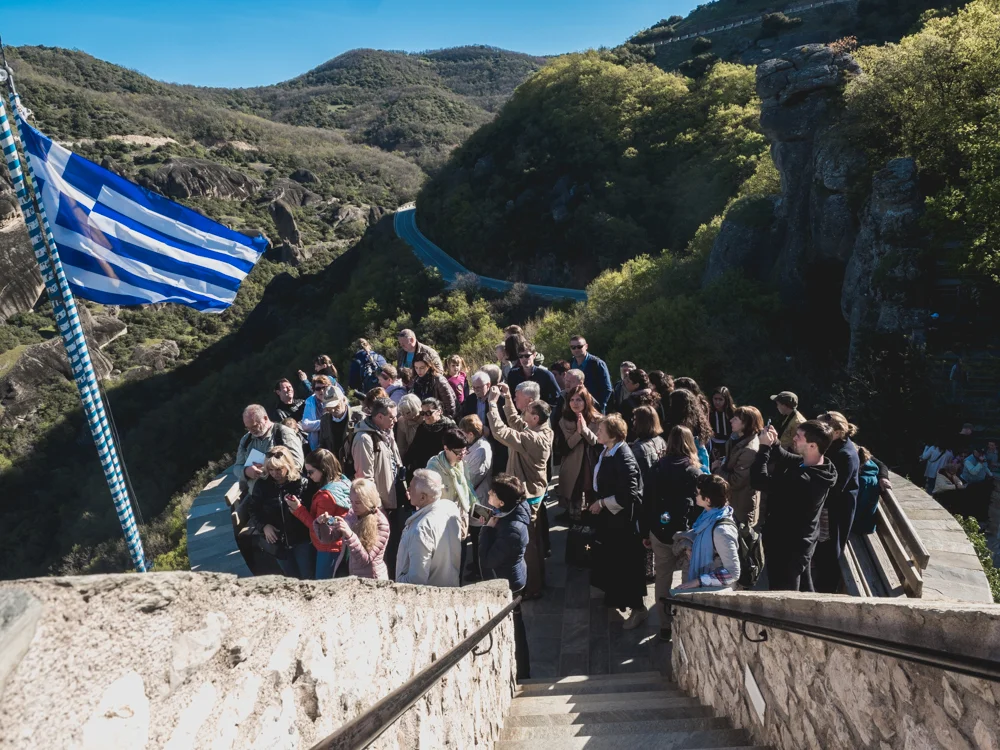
[528, 437]
[277, 531]
[364, 531]
[503, 541]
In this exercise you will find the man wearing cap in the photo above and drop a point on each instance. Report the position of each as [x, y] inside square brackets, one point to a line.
[788, 406]
[618, 393]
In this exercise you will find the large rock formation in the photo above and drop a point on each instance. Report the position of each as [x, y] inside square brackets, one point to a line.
[885, 262]
[291, 193]
[20, 281]
[40, 363]
[797, 92]
[186, 178]
[191, 660]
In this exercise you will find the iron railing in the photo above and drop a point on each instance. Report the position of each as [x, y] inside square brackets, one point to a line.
[363, 730]
[984, 669]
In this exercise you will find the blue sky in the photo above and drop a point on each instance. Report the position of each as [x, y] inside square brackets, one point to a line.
[252, 42]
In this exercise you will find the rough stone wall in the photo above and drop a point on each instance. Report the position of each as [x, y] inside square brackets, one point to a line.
[189, 660]
[822, 695]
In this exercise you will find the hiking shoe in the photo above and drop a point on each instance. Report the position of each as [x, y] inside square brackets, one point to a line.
[635, 619]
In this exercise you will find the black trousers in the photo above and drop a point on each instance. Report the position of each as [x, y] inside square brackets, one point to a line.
[789, 570]
[521, 657]
[397, 520]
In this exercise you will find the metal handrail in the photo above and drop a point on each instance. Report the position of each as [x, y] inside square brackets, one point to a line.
[363, 730]
[984, 669]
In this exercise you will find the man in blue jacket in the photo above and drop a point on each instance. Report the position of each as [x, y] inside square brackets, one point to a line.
[526, 369]
[597, 379]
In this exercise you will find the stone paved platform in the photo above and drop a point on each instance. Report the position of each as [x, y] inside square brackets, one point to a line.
[954, 571]
[211, 544]
[570, 632]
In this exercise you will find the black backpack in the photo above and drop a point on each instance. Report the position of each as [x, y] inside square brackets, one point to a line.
[369, 373]
[750, 549]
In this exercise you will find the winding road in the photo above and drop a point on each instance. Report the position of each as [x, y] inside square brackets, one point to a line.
[405, 223]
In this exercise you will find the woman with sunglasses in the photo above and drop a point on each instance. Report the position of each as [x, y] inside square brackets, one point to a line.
[455, 484]
[277, 531]
[430, 383]
[428, 440]
[322, 365]
[328, 493]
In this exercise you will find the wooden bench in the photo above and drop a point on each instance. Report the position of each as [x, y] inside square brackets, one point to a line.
[888, 562]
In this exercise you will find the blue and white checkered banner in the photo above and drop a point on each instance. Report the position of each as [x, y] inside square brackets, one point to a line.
[121, 244]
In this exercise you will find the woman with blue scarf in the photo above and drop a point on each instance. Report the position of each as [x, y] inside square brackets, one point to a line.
[714, 538]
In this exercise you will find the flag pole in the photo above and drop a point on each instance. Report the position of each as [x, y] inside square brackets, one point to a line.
[68, 322]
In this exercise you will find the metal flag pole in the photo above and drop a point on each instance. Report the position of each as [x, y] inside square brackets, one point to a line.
[68, 322]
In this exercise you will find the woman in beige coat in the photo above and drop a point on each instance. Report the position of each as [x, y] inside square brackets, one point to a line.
[741, 451]
[578, 431]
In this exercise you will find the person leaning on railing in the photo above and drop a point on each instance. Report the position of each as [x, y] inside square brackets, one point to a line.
[502, 544]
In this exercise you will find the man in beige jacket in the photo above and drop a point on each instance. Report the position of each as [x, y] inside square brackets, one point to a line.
[528, 437]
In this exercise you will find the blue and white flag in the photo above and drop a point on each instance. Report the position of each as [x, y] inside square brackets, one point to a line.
[121, 244]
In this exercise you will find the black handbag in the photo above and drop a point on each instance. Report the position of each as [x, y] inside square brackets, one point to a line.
[278, 550]
[581, 544]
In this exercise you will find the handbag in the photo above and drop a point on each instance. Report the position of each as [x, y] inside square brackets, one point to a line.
[581, 545]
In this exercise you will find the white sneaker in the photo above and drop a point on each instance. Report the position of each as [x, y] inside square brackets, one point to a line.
[635, 619]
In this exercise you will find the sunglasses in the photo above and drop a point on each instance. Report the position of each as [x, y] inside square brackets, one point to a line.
[525, 355]
[576, 346]
[319, 388]
[427, 413]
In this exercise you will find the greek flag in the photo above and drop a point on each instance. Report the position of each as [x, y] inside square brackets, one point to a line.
[123, 245]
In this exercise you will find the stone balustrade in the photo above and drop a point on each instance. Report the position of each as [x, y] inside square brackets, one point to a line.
[203, 660]
[792, 692]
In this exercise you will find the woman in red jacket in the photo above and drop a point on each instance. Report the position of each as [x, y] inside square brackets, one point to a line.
[365, 530]
[333, 498]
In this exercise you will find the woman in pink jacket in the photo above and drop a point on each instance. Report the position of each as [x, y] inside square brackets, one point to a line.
[365, 531]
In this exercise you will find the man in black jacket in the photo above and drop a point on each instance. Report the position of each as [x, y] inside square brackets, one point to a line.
[286, 405]
[477, 404]
[526, 369]
[796, 485]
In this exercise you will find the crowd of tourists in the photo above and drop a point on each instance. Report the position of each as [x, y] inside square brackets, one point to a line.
[440, 477]
[958, 472]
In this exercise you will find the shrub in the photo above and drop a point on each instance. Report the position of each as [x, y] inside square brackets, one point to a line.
[773, 24]
[974, 531]
[701, 44]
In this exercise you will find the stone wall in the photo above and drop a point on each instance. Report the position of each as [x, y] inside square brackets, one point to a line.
[189, 660]
[814, 694]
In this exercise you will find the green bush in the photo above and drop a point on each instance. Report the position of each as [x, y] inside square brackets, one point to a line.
[975, 533]
[773, 24]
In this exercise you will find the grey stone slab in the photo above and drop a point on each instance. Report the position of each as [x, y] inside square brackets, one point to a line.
[543, 626]
[615, 715]
[712, 738]
[551, 603]
[527, 686]
[938, 524]
[600, 645]
[969, 561]
[578, 703]
[577, 589]
[612, 728]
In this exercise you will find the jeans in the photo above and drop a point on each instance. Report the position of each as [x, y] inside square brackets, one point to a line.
[325, 562]
[300, 563]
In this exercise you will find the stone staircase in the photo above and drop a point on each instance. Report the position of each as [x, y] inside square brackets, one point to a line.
[613, 712]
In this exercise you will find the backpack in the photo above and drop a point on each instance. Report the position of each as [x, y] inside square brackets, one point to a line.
[750, 549]
[868, 496]
[369, 373]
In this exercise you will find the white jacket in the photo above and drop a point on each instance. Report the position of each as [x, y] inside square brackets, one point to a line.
[430, 549]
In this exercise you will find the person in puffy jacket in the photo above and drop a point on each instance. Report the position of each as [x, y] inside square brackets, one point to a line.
[670, 509]
[269, 517]
[502, 544]
[331, 496]
[365, 531]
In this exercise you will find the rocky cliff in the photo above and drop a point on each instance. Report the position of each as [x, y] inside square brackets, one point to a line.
[815, 227]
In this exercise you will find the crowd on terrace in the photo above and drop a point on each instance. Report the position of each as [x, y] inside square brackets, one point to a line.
[440, 477]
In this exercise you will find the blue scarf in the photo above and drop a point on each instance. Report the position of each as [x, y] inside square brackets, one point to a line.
[702, 544]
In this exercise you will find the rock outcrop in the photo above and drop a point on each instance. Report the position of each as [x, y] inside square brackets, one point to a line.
[20, 280]
[182, 178]
[797, 94]
[40, 363]
[885, 261]
[158, 356]
[193, 660]
[291, 193]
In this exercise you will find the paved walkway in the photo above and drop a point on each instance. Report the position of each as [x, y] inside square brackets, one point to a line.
[405, 223]
[954, 571]
[211, 544]
[570, 632]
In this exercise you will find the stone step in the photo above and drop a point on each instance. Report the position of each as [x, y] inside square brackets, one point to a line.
[624, 684]
[613, 728]
[712, 738]
[605, 678]
[620, 715]
[556, 704]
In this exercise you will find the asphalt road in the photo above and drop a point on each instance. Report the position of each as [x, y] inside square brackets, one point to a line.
[405, 223]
